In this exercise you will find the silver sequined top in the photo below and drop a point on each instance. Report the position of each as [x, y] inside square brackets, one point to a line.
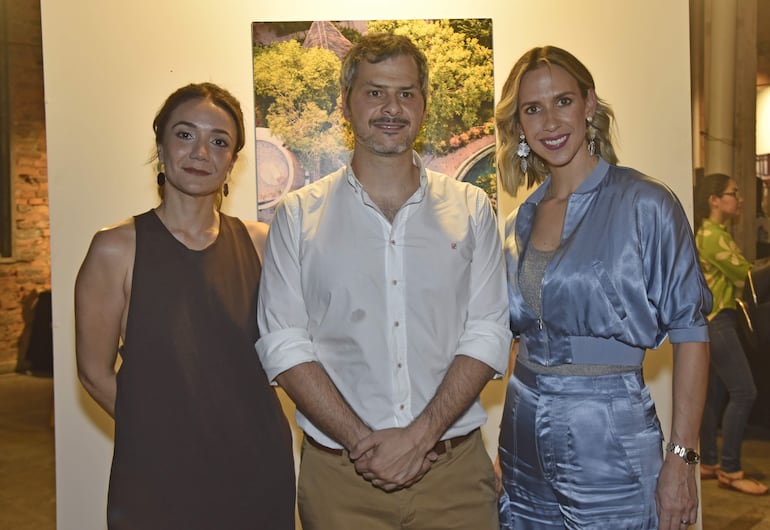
[531, 278]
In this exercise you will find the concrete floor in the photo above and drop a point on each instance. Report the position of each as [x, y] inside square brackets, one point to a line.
[28, 496]
[27, 481]
[724, 509]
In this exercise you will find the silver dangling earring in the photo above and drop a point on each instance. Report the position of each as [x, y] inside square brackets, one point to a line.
[591, 136]
[523, 152]
[225, 190]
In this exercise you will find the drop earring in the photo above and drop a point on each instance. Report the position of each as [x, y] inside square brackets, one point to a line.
[523, 152]
[161, 178]
[225, 190]
[591, 136]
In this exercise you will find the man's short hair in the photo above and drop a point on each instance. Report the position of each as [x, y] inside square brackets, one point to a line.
[376, 47]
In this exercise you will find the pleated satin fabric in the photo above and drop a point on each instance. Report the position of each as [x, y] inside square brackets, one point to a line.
[591, 460]
[626, 269]
[584, 451]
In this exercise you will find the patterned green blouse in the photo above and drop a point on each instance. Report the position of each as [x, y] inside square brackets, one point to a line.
[723, 264]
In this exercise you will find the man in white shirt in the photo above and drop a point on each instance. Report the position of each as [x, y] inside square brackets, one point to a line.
[383, 310]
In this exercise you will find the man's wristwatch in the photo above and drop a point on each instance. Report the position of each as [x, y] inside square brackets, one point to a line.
[690, 456]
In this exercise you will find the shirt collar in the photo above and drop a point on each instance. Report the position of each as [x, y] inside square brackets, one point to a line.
[416, 160]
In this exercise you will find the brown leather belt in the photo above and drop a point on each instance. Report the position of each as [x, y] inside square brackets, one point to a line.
[440, 448]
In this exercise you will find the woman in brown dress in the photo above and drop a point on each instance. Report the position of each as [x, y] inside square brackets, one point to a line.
[201, 441]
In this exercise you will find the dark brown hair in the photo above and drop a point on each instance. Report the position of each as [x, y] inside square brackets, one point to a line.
[705, 187]
[216, 94]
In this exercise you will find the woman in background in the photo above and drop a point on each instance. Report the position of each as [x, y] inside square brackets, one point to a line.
[717, 204]
[201, 441]
[601, 266]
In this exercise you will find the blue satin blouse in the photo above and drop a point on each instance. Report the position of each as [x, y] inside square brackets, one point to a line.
[625, 274]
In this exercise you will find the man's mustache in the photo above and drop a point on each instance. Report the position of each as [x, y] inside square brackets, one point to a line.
[389, 121]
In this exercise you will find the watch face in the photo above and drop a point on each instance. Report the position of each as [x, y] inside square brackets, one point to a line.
[692, 457]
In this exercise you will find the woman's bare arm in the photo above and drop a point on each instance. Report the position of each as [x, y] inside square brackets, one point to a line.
[102, 293]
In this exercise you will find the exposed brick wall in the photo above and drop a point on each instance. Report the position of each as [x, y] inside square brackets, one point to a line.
[29, 272]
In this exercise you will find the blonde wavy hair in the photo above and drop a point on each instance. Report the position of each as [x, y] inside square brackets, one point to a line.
[507, 118]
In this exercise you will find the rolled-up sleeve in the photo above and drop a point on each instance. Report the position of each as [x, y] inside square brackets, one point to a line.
[487, 334]
[281, 313]
[675, 281]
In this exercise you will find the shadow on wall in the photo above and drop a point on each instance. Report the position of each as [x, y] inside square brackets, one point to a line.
[36, 339]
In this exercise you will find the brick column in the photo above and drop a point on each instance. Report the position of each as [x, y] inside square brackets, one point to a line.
[28, 272]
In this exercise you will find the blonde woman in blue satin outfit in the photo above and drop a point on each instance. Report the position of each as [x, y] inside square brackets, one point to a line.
[601, 267]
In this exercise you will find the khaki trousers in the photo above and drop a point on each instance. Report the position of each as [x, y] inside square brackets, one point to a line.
[456, 494]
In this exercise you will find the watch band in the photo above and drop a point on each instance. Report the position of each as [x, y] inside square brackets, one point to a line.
[689, 455]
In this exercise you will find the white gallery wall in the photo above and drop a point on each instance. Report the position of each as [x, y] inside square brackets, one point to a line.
[109, 65]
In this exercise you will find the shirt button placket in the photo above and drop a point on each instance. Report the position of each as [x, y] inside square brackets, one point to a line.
[397, 313]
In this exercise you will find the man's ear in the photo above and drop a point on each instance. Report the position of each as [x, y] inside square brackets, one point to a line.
[345, 107]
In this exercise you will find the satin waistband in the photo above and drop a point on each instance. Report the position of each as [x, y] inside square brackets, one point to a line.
[594, 350]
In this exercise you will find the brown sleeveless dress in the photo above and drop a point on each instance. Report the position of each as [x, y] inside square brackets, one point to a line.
[201, 441]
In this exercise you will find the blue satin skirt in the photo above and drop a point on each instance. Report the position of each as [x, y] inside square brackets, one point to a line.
[579, 452]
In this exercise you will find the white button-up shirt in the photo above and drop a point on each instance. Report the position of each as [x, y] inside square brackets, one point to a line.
[384, 307]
